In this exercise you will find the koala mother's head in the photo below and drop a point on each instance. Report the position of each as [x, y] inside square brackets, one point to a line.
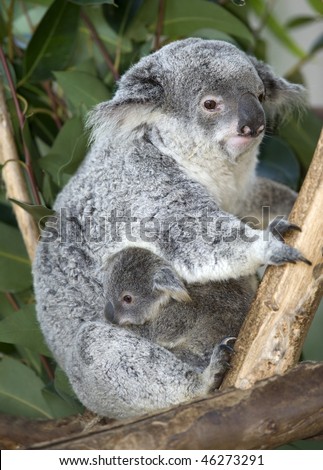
[210, 90]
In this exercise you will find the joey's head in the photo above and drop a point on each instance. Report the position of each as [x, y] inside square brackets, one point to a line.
[207, 93]
[137, 283]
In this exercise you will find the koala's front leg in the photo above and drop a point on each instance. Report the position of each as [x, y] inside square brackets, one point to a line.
[228, 249]
[266, 200]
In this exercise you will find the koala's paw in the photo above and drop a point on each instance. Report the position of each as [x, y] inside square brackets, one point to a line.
[279, 226]
[220, 361]
[278, 252]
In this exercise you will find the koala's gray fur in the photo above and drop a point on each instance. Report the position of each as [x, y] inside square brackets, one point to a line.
[145, 295]
[160, 156]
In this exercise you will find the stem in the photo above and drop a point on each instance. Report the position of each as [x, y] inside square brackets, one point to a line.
[26, 13]
[10, 13]
[53, 102]
[96, 38]
[160, 24]
[120, 34]
[21, 120]
[12, 301]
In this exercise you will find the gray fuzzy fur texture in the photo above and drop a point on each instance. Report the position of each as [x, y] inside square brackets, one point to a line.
[184, 176]
[145, 295]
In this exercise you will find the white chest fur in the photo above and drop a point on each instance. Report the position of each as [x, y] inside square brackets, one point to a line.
[227, 181]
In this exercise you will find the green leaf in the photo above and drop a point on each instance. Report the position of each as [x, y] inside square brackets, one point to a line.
[59, 407]
[2, 27]
[67, 152]
[317, 45]
[37, 212]
[205, 33]
[317, 5]
[15, 267]
[21, 391]
[300, 21]
[120, 18]
[279, 31]
[302, 135]
[82, 89]
[6, 308]
[22, 328]
[64, 389]
[52, 44]
[182, 18]
[278, 162]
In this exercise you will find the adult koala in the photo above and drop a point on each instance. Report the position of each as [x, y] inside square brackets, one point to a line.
[174, 153]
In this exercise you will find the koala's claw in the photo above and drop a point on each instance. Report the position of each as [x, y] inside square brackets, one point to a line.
[225, 346]
[287, 254]
[278, 227]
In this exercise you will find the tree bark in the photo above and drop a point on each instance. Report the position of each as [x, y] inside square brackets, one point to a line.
[14, 180]
[274, 412]
[272, 337]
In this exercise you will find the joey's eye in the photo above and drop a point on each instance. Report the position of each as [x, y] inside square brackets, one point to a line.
[261, 97]
[210, 105]
[127, 299]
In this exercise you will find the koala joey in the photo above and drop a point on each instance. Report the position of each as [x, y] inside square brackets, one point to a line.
[171, 168]
[145, 295]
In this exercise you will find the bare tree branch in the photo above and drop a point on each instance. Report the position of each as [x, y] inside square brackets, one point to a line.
[272, 413]
[271, 339]
[21, 119]
[14, 180]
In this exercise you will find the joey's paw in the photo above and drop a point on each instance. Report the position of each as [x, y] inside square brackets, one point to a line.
[279, 226]
[280, 253]
[226, 348]
[220, 361]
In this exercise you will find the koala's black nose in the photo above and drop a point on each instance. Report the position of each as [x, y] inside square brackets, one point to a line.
[251, 116]
[109, 312]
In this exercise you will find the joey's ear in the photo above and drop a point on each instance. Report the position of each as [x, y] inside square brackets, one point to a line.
[167, 281]
[281, 96]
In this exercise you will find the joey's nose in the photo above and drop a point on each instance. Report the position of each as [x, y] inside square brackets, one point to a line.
[109, 312]
[251, 116]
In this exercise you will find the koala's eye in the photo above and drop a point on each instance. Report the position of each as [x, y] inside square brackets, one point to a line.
[261, 97]
[210, 105]
[127, 299]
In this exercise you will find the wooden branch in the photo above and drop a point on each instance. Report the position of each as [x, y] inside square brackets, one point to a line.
[275, 411]
[271, 339]
[14, 180]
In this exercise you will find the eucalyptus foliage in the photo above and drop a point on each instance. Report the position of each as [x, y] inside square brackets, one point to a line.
[63, 58]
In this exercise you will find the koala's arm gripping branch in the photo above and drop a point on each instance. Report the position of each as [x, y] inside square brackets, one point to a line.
[12, 174]
[273, 334]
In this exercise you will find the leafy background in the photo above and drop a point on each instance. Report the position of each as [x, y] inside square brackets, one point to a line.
[58, 59]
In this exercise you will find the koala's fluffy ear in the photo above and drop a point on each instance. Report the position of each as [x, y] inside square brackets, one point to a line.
[281, 96]
[141, 85]
[167, 281]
